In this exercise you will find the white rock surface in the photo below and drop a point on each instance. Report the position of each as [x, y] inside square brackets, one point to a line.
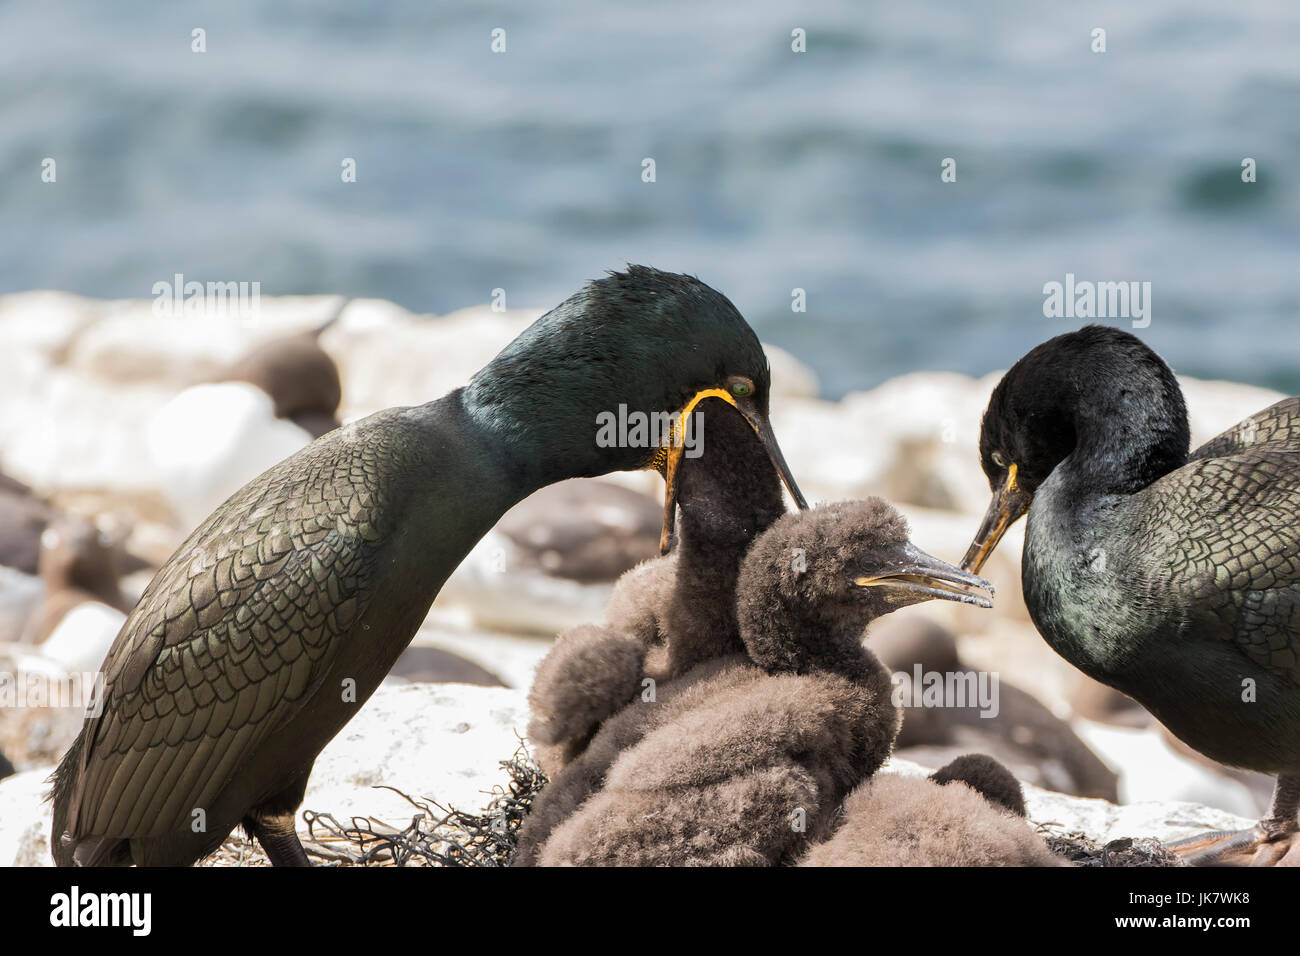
[1149, 769]
[80, 642]
[19, 595]
[128, 343]
[445, 741]
[441, 741]
[61, 429]
[1165, 821]
[25, 820]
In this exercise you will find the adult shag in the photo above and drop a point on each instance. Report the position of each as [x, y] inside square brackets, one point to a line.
[279, 616]
[1174, 578]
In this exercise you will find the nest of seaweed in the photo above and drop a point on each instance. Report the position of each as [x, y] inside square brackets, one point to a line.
[1081, 850]
[435, 836]
[443, 836]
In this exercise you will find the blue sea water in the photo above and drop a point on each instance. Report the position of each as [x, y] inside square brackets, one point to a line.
[774, 170]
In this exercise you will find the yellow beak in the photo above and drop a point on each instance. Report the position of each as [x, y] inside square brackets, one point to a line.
[668, 458]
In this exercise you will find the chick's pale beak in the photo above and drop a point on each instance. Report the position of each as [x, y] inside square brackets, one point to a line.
[669, 458]
[1009, 502]
[920, 577]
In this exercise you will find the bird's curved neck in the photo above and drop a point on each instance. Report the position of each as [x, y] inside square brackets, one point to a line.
[1074, 581]
[787, 639]
[701, 617]
[529, 453]
[1130, 432]
[1126, 437]
[457, 449]
[546, 423]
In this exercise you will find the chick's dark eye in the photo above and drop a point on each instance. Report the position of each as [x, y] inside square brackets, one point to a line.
[742, 388]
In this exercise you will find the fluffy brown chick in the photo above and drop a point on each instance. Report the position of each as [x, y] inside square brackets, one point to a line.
[994, 782]
[669, 622]
[589, 674]
[968, 813]
[749, 764]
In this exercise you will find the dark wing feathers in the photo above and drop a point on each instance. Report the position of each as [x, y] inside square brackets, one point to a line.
[243, 618]
[1236, 556]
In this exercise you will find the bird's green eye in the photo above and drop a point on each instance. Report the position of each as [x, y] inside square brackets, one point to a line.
[999, 460]
[742, 388]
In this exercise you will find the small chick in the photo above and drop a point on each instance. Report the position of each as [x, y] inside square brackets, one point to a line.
[994, 782]
[670, 621]
[591, 673]
[968, 813]
[676, 610]
[748, 765]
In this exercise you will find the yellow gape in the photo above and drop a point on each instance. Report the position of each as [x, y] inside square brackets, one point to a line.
[669, 456]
